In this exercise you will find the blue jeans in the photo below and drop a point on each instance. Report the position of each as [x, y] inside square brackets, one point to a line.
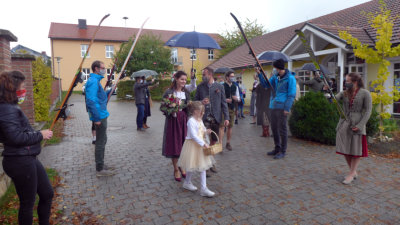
[279, 129]
[140, 115]
[240, 108]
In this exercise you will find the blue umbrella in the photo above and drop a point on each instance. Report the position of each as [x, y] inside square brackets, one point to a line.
[311, 67]
[273, 55]
[193, 40]
[223, 70]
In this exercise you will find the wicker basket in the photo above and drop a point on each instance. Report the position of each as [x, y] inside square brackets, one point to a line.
[213, 149]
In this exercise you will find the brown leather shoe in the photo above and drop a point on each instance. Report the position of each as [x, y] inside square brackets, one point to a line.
[145, 126]
[228, 146]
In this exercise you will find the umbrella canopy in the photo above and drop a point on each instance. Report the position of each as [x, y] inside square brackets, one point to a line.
[144, 73]
[311, 67]
[223, 70]
[193, 40]
[273, 55]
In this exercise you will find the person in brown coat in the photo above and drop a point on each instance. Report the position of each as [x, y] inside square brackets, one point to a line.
[351, 140]
[262, 106]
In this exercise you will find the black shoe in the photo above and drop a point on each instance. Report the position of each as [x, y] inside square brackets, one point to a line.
[280, 155]
[236, 121]
[94, 142]
[208, 174]
[273, 152]
[243, 117]
[213, 169]
[141, 129]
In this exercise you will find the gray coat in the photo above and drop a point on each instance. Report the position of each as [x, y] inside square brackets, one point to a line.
[348, 141]
[216, 94]
[140, 92]
[315, 84]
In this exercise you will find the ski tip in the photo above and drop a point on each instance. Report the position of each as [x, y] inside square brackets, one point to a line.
[107, 15]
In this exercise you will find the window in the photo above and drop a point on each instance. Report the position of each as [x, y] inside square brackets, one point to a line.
[396, 81]
[193, 54]
[108, 71]
[194, 71]
[351, 59]
[304, 75]
[174, 55]
[109, 51]
[85, 74]
[210, 54]
[84, 49]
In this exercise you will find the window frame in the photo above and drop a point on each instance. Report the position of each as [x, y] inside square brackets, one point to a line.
[111, 52]
[211, 55]
[83, 51]
[396, 75]
[193, 54]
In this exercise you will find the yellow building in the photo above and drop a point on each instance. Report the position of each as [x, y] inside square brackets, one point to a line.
[332, 51]
[69, 43]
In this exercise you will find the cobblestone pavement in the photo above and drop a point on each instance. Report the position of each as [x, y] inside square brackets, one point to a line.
[252, 188]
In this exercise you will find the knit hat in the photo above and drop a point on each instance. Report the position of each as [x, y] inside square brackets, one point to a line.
[279, 64]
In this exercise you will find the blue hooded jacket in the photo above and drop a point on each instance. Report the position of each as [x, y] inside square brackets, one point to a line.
[285, 90]
[96, 98]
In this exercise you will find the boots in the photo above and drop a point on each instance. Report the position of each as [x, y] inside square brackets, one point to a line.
[265, 132]
[145, 126]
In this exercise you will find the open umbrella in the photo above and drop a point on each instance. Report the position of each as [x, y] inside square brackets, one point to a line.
[144, 73]
[311, 67]
[193, 40]
[273, 55]
[223, 70]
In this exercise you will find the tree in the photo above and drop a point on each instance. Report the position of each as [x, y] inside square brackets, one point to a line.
[382, 22]
[232, 39]
[41, 74]
[149, 53]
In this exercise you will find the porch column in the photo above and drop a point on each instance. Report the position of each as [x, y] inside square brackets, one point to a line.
[290, 65]
[341, 66]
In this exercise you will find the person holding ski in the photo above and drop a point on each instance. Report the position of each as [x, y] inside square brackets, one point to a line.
[351, 139]
[96, 102]
[282, 98]
[175, 128]
[21, 147]
[140, 89]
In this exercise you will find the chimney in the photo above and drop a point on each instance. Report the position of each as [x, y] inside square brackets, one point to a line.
[82, 24]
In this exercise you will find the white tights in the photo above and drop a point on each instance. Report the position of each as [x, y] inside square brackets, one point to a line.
[203, 181]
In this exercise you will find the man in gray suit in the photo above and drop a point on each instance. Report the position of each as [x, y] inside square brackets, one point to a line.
[212, 95]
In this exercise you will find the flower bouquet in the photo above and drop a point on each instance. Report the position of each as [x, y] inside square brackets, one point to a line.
[171, 105]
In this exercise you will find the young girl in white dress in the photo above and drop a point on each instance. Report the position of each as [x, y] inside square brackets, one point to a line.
[192, 158]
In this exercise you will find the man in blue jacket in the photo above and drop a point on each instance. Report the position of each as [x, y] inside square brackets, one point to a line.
[284, 83]
[96, 102]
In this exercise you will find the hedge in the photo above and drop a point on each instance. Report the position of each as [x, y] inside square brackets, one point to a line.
[126, 88]
[42, 81]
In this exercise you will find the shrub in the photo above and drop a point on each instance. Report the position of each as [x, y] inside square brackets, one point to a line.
[314, 118]
[126, 88]
[373, 122]
[42, 80]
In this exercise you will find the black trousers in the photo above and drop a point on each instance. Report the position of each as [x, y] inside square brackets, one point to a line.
[279, 129]
[29, 177]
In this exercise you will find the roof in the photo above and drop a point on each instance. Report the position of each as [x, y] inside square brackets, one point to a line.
[347, 19]
[117, 34]
[16, 51]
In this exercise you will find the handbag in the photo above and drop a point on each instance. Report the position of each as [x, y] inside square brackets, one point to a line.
[213, 149]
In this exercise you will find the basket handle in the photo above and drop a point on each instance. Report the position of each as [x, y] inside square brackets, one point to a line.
[215, 135]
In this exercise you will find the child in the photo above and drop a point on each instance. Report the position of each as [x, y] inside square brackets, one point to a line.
[192, 157]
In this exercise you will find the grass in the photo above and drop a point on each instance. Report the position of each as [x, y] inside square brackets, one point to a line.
[9, 203]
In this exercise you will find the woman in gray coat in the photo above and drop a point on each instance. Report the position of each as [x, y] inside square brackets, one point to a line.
[351, 140]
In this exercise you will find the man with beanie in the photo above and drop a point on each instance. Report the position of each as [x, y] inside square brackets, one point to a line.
[284, 83]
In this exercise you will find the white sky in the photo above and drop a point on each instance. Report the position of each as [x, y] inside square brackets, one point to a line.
[30, 20]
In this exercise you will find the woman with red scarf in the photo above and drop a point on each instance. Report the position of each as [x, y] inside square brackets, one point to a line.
[351, 140]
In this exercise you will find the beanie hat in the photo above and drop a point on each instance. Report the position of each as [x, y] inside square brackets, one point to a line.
[279, 64]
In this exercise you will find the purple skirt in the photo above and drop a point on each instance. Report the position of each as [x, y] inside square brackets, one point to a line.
[174, 135]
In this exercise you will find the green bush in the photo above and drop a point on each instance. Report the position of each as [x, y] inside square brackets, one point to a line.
[42, 80]
[373, 122]
[314, 118]
[125, 88]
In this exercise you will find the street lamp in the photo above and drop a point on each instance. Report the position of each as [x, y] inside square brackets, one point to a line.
[125, 18]
[59, 78]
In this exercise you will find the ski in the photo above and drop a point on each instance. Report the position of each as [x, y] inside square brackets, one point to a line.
[111, 73]
[314, 60]
[62, 111]
[252, 51]
[122, 73]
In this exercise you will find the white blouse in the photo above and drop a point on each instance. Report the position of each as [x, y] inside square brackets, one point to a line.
[193, 130]
[190, 87]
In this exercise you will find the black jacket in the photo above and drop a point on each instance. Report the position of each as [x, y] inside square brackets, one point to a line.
[17, 135]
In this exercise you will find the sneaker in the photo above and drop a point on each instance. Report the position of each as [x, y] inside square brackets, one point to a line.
[206, 193]
[273, 152]
[228, 146]
[280, 155]
[105, 167]
[104, 173]
[189, 186]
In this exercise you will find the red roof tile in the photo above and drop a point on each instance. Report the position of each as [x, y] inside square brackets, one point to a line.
[117, 34]
[350, 19]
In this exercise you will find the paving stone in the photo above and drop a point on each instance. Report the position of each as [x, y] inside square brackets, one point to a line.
[252, 188]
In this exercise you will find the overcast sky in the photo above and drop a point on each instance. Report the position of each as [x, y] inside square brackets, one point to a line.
[30, 20]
